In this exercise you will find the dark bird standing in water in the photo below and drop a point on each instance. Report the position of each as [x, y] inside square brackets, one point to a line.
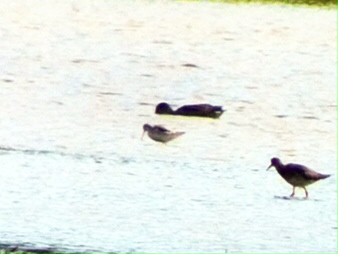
[159, 133]
[296, 175]
[201, 110]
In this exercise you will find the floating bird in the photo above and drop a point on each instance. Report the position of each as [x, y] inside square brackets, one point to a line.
[201, 110]
[159, 133]
[296, 175]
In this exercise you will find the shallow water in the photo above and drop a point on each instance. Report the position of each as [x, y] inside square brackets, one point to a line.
[80, 78]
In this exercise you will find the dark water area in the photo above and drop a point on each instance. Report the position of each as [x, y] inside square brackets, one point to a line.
[80, 78]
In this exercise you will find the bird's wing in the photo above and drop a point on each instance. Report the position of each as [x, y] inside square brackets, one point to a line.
[209, 108]
[197, 108]
[306, 172]
[161, 128]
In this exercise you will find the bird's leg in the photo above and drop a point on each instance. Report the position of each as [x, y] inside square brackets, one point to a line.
[306, 193]
[293, 192]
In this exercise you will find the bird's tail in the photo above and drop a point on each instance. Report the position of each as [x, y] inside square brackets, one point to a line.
[323, 176]
[219, 108]
[179, 133]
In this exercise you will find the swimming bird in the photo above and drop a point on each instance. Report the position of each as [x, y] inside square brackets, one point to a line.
[296, 175]
[159, 133]
[201, 110]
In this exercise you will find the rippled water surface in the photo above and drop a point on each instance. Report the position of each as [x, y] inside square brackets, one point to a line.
[79, 79]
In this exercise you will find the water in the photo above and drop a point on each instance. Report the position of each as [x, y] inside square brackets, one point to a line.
[80, 78]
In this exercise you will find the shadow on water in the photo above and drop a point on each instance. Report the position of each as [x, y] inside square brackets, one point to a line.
[29, 248]
[50, 152]
[295, 198]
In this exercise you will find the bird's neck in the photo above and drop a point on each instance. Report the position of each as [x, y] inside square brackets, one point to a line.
[171, 111]
[280, 168]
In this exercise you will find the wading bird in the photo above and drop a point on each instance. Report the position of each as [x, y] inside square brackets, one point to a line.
[296, 175]
[159, 133]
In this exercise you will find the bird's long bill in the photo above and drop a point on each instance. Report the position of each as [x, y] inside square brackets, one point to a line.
[143, 135]
[269, 167]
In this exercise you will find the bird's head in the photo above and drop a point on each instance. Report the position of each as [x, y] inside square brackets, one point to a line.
[146, 127]
[275, 162]
[163, 108]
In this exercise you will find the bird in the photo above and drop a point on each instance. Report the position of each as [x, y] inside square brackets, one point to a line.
[159, 133]
[200, 110]
[14, 249]
[297, 175]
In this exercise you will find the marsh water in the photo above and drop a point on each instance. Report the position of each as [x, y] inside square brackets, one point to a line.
[79, 79]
